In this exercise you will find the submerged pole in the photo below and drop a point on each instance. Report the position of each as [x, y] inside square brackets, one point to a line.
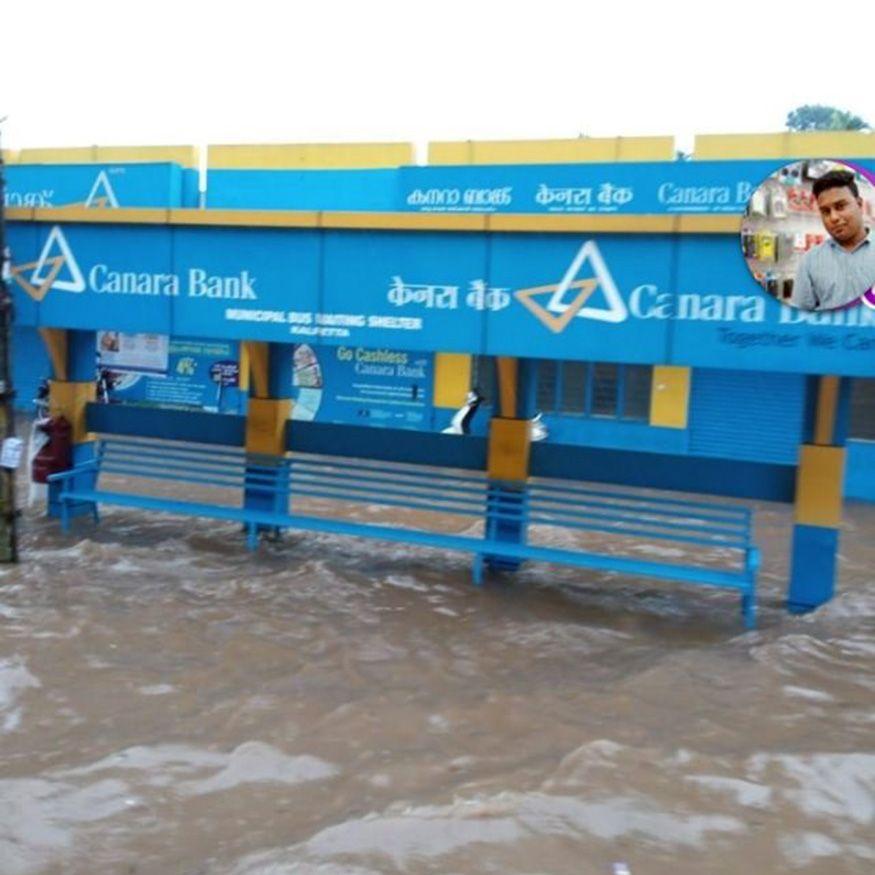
[8, 512]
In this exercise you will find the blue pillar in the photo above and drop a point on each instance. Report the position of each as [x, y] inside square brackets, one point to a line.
[266, 487]
[818, 503]
[509, 444]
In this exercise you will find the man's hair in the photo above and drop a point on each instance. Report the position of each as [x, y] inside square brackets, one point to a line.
[835, 179]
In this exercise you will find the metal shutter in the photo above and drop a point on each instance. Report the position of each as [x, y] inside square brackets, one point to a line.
[748, 415]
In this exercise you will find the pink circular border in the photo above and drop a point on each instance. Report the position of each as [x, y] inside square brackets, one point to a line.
[868, 298]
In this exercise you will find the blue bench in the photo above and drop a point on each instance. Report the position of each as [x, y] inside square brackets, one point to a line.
[713, 540]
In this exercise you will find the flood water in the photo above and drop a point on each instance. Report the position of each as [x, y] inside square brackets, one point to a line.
[170, 703]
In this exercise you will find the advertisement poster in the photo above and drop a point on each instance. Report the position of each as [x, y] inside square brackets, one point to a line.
[133, 353]
[379, 387]
[201, 374]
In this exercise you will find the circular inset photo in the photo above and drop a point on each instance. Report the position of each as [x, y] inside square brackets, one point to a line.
[808, 235]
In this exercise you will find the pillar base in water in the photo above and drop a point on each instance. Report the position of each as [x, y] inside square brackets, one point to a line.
[813, 567]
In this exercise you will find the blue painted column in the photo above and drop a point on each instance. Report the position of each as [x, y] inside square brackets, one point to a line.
[508, 460]
[73, 355]
[819, 485]
[271, 369]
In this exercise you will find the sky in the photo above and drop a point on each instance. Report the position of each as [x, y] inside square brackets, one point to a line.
[136, 73]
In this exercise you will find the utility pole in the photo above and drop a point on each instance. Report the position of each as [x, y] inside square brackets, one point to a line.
[8, 511]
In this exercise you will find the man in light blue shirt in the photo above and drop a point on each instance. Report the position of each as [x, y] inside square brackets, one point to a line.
[842, 268]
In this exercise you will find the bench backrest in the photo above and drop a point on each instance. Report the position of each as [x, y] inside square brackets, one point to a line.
[614, 511]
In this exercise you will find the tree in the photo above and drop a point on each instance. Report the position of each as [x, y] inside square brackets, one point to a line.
[816, 117]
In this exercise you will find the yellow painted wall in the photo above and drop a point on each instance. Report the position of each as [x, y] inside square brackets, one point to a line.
[581, 149]
[670, 396]
[814, 144]
[291, 156]
[452, 379]
[10, 156]
[187, 156]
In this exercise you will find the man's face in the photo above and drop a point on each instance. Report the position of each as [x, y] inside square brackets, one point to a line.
[841, 212]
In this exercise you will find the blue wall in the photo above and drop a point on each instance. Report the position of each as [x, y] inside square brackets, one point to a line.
[124, 185]
[303, 189]
[860, 470]
[657, 298]
[30, 365]
[160, 184]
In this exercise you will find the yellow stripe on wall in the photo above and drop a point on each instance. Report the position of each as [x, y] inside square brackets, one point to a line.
[827, 408]
[452, 378]
[256, 355]
[55, 340]
[581, 149]
[813, 144]
[10, 156]
[244, 367]
[522, 222]
[670, 396]
[73, 155]
[507, 370]
[300, 156]
[187, 156]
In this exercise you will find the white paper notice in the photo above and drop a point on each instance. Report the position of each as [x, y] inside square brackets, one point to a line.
[10, 455]
[133, 353]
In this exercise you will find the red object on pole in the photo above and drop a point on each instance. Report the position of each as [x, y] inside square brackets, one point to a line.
[56, 454]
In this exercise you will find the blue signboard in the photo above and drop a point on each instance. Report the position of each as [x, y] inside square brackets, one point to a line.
[95, 185]
[682, 299]
[654, 188]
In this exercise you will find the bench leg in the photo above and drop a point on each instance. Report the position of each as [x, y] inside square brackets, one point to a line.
[95, 513]
[749, 609]
[65, 516]
[252, 536]
[477, 570]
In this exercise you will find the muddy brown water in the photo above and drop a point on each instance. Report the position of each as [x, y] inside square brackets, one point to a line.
[170, 703]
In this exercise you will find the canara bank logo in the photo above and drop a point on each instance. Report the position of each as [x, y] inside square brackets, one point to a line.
[56, 268]
[101, 194]
[568, 298]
